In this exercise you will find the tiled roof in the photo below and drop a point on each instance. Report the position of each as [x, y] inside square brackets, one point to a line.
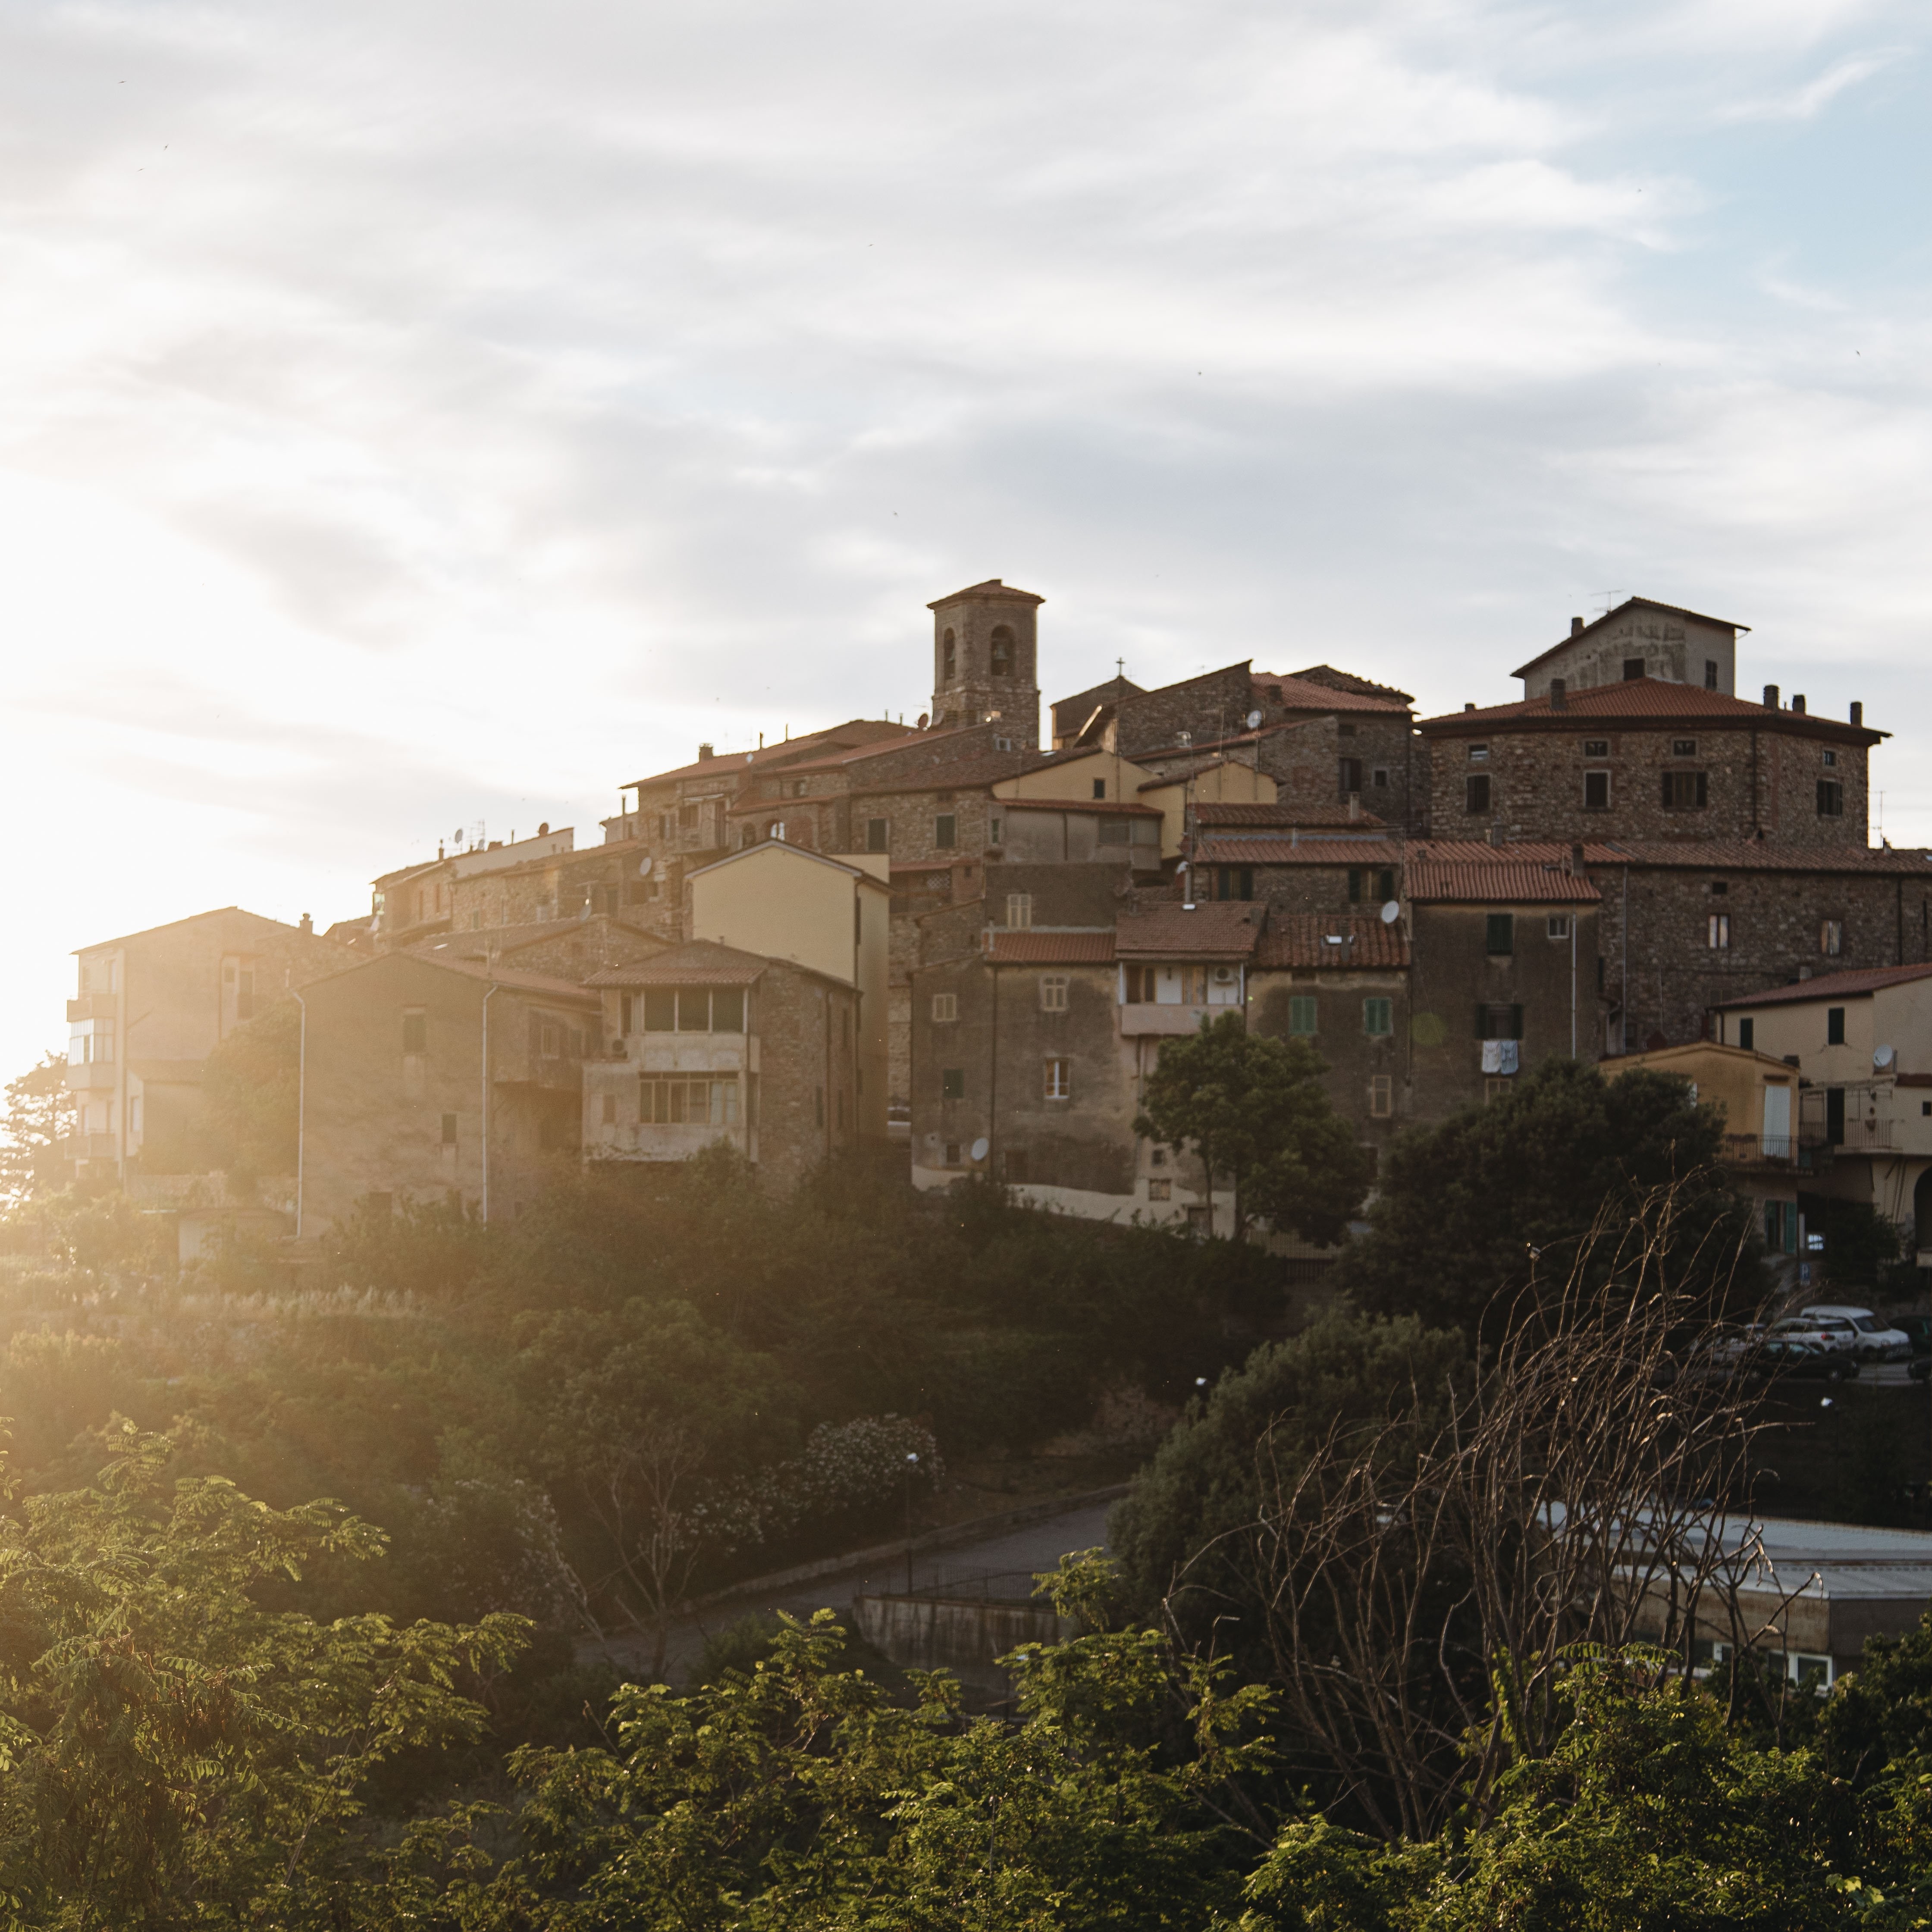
[1629, 603]
[481, 944]
[1035, 948]
[1214, 929]
[856, 735]
[1114, 806]
[475, 969]
[1336, 818]
[1304, 939]
[1835, 986]
[214, 912]
[992, 587]
[1637, 700]
[1278, 848]
[697, 962]
[1299, 694]
[1449, 872]
[1328, 676]
[1745, 855]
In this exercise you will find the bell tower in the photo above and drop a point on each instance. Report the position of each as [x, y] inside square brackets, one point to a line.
[985, 660]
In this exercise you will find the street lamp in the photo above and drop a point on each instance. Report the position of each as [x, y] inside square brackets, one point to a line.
[911, 1464]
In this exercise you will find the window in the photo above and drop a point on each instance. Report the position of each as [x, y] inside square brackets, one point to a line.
[687, 817]
[945, 1008]
[946, 831]
[1019, 911]
[1116, 831]
[1476, 792]
[1596, 791]
[1345, 730]
[1830, 799]
[1685, 791]
[1557, 926]
[683, 1100]
[948, 659]
[1499, 934]
[1710, 674]
[660, 1009]
[1382, 778]
[1832, 936]
[1747, 1035]
[1301, 1014]
[1684, 748]
[1351, 776]
[952, 1083]
[549, 1041]
[416, 1031]
[1362, 880]
[1834, 1026]
[449, 1130]
[610, 1110]
[1632, 669]
[1378, 1017]
[1719, 887]
[1830, 759]
[1059, 1079]
[1717, 932]
[1160, 1190]
[1479, 754]
[1381, 1096]
[1498, 1021]
[1002, 744]
[1053, 992]
[798, 787]
[1100, 787]
[1596, 748]
[1233, 882]
[1002, 654]
[995, 827]
[244, 997]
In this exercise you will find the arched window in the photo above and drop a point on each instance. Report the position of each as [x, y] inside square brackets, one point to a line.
[948, 659]
[1002, 651]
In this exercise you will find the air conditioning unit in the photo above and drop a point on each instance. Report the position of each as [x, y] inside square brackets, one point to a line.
[1224, 976]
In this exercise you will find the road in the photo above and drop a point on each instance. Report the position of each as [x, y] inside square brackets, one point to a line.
[1014, 1554]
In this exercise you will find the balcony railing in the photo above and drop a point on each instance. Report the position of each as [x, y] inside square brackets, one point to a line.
[90, 1007]
[1750, 1149]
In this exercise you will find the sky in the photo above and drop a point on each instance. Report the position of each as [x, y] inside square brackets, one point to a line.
[419, 416]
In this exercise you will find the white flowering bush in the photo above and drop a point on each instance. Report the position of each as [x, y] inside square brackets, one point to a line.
[846, 1469]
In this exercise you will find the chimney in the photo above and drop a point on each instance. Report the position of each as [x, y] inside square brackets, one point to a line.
[543, 830]
[1858, 712]
[1798, 703]
[704, 751]
[1576, 860]
[307, 927]
[1559, 694]
[1576, 627]
[1495, 835]
[1355, 805]
[1469, 707]
[1771, 697]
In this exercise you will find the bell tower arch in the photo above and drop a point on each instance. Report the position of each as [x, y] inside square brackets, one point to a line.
[985, 660]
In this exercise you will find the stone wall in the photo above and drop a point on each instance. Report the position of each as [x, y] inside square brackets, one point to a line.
[1356, 1058]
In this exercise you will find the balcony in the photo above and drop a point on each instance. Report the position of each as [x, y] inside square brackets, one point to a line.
[1141, 1019]
[89, 1147]
[90, 1007]
[90, 1075]
[1760, 1150]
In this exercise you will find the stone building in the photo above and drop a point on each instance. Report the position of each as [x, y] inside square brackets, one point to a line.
[985, 661]
[1646, 759]
[435, 1079]
[1639, 639]
[708, 1043]
[563, 949]
[415, 902]
[149, 1008]
[1861, 1042]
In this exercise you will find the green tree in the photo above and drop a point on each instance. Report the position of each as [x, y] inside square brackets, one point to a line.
[250, 1086]
[176, 1753]
[1254, 1109]
[1468, 1212]
[39, 1115]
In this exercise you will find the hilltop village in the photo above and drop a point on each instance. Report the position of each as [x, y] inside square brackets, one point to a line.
[969, 941]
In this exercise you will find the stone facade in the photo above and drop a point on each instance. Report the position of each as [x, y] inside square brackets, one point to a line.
[1642, 639]
[985, 661]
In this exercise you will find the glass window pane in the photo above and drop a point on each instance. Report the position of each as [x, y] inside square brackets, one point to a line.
[728, 1010]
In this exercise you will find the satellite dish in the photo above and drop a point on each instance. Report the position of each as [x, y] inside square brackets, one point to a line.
[1254, 720]
[980, 1147]
[1391, 912]
[1883, 1057]
[644, 866]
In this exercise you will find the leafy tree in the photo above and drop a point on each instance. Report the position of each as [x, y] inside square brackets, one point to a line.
[175, 1752]
[1469, 1212]
[1254, 1109]
[39, 1115]
[250, 1086]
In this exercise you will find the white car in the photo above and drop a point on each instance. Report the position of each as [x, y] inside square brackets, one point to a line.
[1833, 1333]
[1878, 1340]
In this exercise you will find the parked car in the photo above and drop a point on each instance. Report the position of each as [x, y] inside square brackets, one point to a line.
[1917, 1328]
[1921, 1370]
[1780, 1356]
[1834, 1335]
[1878, 1340]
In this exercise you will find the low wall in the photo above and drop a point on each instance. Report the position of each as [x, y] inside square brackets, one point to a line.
[958, 1632]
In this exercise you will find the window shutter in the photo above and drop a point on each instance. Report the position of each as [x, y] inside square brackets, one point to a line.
[1516, 1023]
[1666, 791]
[1482, 1020]
[1703, 787]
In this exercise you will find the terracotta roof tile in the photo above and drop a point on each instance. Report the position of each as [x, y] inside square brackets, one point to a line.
[1638, 699]
[1305, 940]
[1336, 819]
[546, 983]
[1102, 805]
[1300, 694]
[1248, 847]
[1038, 948]
[1835, 986]
[1450, 872]
[1214, 929]
[697, 962]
